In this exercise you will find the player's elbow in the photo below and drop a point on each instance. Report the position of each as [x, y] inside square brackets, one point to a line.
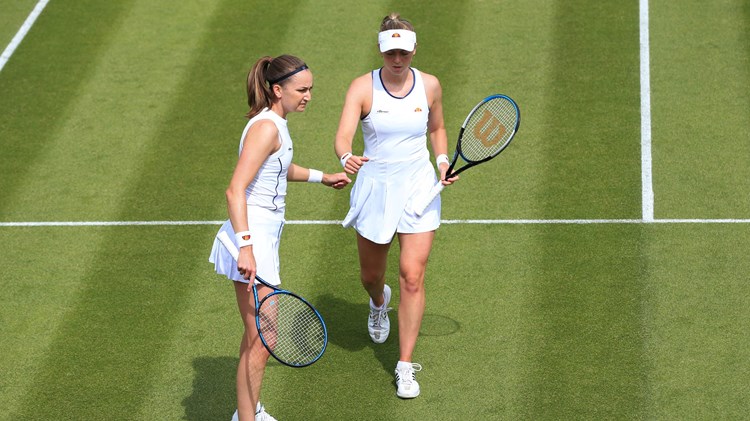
[233, 195]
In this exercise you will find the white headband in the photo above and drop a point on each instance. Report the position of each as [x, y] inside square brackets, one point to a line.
[397, 39]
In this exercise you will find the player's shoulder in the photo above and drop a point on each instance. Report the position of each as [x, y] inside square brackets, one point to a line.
[264, 129]
[266, 123]
[429, 78]
[431, 82]
[363, 81]
[361, 87]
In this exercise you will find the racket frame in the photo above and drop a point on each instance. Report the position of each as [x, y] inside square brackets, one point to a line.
[459, 152]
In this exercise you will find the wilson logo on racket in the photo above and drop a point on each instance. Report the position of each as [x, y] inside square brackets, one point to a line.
[489, 129]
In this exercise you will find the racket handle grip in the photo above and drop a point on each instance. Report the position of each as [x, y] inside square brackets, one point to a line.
[228, 244]
[421, 206]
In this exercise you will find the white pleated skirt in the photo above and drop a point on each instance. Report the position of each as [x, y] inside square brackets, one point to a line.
[265, 226]
[382, 196]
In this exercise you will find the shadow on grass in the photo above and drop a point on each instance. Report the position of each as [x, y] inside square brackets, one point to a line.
[346, 323]
[213, 393]
[213, 396]
[438, 325]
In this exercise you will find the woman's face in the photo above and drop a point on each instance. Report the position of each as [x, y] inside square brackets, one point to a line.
[397, 61]
[296, 92]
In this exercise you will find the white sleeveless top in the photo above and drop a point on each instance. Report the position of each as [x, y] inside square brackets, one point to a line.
[396, 128]
[268, 188]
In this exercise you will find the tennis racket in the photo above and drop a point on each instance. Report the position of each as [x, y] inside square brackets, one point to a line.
[290, 328]
[487, 131]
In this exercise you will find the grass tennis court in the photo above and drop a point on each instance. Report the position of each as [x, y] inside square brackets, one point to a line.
[548, 295]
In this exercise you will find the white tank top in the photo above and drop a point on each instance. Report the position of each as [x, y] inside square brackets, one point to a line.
[268, 188]
[396, 127]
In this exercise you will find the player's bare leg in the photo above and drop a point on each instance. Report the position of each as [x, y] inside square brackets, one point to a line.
[415, 251]
[253, 355]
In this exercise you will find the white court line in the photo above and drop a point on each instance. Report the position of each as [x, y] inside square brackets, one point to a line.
[334, 222]
[21, 34]
[647, 188]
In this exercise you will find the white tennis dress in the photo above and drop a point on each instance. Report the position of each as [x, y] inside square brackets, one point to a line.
[399, 169]
[265, 209]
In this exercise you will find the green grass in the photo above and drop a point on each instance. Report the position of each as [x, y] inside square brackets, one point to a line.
[131, 110]
[702, 70]
[13, 16]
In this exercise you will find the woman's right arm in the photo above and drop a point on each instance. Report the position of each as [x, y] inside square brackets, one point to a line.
[356, 105]
[259, 143]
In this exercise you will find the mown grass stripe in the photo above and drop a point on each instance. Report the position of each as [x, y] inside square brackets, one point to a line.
[43, 276]
[573, 333]
[44, 81]
[700, 81]
[592, 121]
[102, 357]
[113, 334]
[38, 92]
[697, 322]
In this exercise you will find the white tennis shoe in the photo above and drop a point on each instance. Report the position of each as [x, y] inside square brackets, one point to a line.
[378, 324]
[260, 414]
[406, 380]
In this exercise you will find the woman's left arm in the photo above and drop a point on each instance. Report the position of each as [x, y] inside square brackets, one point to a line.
[337, 181]
[436, 125]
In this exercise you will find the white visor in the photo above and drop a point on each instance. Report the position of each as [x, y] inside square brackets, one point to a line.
[397, 39]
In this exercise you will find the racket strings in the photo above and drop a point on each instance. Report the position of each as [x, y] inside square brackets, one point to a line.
[292, 330]
[489, 129]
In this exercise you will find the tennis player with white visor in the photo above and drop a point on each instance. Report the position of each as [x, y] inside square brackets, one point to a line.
[399, 108]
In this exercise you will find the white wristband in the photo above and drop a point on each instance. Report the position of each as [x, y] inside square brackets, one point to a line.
[315, 176]
[243, 239]
[442, 158]
[344, 158]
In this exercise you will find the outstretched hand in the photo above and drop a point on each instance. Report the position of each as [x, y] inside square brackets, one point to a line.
[337, 181]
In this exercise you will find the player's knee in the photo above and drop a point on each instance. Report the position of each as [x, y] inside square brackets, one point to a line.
[412, 283]
[371, 278]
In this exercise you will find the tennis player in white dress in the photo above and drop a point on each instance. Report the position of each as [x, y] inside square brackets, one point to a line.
[256, 205]
[400, 109]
